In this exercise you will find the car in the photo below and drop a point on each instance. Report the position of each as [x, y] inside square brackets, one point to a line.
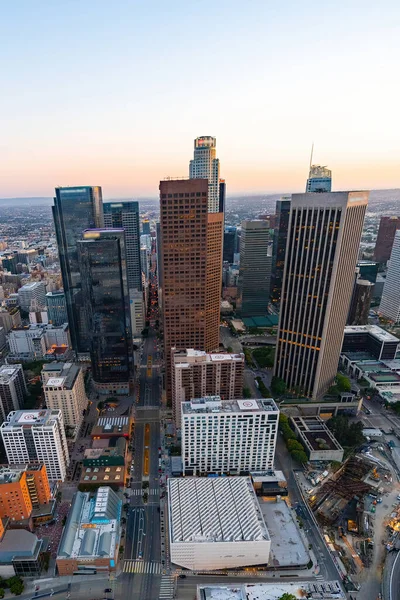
[107, 590]
[182, 576]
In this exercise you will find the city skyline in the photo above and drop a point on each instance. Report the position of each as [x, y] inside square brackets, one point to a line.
[103, 111]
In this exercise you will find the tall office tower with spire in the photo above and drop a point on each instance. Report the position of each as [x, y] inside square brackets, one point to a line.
[102, 262]
[390, 303]
[255, 269]
[75, 209]
[191, 263]
[319, 179]
[321, 254]
[205, 165]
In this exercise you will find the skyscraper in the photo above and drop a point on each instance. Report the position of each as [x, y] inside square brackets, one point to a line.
[205, 165]
[75, 209]
[12, 389]
[102, 262]
[390, 303]
[360, 302]
[230, 243]
[56, 308]
[321, 254]
[125, 215]
[384, 242]
[319, 179]
[279, 247]
[255, 269]
[191, 263]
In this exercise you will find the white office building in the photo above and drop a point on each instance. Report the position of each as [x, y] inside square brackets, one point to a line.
[228, 437]
[12, 389]
[216, 523]
[137, 310]
[205, 165]
[390, 303]
[32, 343]
[37, 436]
[64, 390]
[32, 296]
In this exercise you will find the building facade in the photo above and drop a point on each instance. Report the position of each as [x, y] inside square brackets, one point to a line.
[196, 374]
[319, 179]
[64, 390]
[384, 242]
[75, 209]
[230, 244]
[205, 165]
[56, 307]
[390, 302]
[102, 263]
[255, 269]
[22, 489]
[191, 265]
[279, 248]
[37, 436]
[32, 295]
[232, 437]
[12, 389]
[322, 248]
[360, 302]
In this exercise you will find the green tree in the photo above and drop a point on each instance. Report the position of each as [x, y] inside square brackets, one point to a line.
[2, 592]
[100, 405]
[287, 596]
[278, 386]
[300, 456]
[343, 383]
[246, 392]
[229, 349]
[294, 445]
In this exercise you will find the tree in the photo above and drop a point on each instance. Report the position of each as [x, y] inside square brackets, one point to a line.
[278, 386]
[343, 383]
[2, 592]
[229, 349]
[294, 445]
[346, 435]
[287, 596]
[300, 456]
[246, 392]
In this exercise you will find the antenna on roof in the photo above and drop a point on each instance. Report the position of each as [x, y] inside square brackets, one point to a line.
[311, 155]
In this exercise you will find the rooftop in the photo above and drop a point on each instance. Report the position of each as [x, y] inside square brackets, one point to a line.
[19, 544]
[214, 509]
[8, 372]
[287, 546]
[65, 374]
[202, 356]
[214, 404]
[315, 433]
[374, 330]
[23, 418]
[92, 527]
[111, 426]
[323, 590]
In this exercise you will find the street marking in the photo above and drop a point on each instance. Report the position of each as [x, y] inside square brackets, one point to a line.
[152, 492]
[142, 566]
[167, 587]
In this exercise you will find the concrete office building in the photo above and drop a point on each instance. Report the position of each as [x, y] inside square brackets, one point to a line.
[159, 266]
[32, 295]
[75, 209]
[255, 269]
[196, 374]
[37, 436]
[215, 523]
[319, 442]
[91, 536]
[12, 389]
[279, 247]
[371, 341]
[64, 390]
[21, 554]
[56, 308]
[191, 262]
[319, 179]
[144, 261]
[205, 165]
[390, 303]
[230, 437]
[10, 318]
[322, 248]
[23, 488]
[384, 242]
[32, 343]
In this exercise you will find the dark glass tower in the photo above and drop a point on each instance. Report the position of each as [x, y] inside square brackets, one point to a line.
[75, 209]
[125, 215]
[102, 262]
[279, 248]
[230, 243]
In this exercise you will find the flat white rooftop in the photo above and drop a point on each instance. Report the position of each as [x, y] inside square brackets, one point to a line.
[214, 404]
[378, 332]
[214, 509]
[271, 591]
[55, 382]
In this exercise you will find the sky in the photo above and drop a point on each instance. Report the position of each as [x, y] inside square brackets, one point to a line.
[112, 93]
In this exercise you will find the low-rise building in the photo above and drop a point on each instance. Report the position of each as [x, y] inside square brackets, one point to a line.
[91, 535]
[107, 428]
[21, 553]
[32, 342]
[318, 440]
[104, 466]
[64, 390]
[323, 590]
[371, 340]
[215, 523]
[234, 436]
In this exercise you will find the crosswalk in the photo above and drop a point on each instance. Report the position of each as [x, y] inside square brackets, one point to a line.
[167, 587]
[152, 492]
[142, 566]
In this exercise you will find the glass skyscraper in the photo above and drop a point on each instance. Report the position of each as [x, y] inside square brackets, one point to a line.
[102, 262]
[319, 179]
[75, 209]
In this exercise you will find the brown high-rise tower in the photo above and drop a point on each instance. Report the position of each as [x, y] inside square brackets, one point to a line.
[191, 260]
